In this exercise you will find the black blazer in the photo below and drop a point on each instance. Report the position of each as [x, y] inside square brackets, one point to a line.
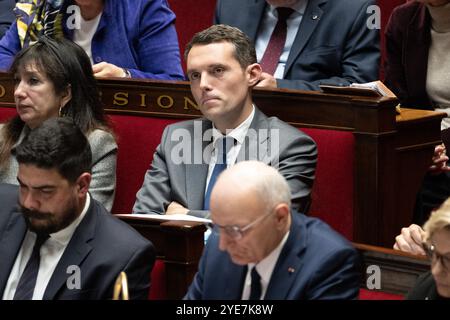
[102, 246]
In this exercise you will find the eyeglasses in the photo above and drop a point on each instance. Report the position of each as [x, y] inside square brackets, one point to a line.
[236, 232]
[434, 256]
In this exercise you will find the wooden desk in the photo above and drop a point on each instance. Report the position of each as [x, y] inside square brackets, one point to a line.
[180, 245]
[392, 153]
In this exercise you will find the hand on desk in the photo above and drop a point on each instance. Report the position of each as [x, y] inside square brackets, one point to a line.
[176, 208]
[410, 240]
[439, 160]
[105, 70]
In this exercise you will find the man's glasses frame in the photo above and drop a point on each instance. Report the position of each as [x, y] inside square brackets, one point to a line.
[235, 232]
[430, 250]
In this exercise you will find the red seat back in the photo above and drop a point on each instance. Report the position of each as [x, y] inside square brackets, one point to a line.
[332, 195]
[137, 138]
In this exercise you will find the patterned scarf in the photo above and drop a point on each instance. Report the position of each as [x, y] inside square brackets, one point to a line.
[38, 17]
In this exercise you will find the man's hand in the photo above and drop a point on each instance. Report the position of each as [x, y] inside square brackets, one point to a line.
[410, 240]
[267, 81]
[175, 207]
[105, 70]
[439, 160]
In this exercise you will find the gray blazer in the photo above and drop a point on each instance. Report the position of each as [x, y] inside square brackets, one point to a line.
[333, 45]
[292, 152]
[104, 156]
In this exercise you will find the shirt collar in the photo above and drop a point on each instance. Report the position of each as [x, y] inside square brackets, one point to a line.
[298, 7]
[237, 133]
[265, 266]
[63, 236]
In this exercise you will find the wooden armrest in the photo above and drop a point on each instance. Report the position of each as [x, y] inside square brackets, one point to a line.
[399, 270]
[178, 243]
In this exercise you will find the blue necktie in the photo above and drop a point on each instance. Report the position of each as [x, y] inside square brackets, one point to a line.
[223, 147]
[255, 289]
[27, 282]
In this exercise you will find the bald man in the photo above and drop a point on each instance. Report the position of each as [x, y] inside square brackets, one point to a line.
[260, 249]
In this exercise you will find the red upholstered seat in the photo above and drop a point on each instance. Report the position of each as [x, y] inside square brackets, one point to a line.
[365, 294]
[6, 113]
[137, 138]
[158, 288]
[332, 196]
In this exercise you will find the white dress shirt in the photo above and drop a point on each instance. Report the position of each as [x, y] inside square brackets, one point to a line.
[267, 26]
[265, 269]
[83, 36]
[51, 252]
[239, 134]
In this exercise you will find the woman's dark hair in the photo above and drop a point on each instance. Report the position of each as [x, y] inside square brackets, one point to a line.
[65, 64]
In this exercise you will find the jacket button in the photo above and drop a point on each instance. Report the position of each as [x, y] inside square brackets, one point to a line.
[98, 59]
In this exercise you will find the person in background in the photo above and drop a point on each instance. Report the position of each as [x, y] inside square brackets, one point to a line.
[260, 249]
[222, 69]
[53, 78]
[58, 243]
[6, 15]
[435, 285]
[417, 69]
[122, 38]
[302, 44]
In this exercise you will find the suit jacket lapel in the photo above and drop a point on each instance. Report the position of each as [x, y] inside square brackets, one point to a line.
[289, 264]
[76, 251]
[255, 10]
[10, 244]
[310, 20]
[256, 149]
[197, 173]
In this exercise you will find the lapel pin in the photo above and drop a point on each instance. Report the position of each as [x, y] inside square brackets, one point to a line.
[291, 270]
[314, 17]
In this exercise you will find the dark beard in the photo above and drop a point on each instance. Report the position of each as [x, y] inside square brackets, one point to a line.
[52, 223]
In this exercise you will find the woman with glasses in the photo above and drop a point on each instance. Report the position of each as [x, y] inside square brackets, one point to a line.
[435, 285]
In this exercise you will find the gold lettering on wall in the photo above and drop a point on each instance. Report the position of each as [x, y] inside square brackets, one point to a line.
[143, 99]
[189, 103]
[164, 98]
[120, 99]
[2, 91]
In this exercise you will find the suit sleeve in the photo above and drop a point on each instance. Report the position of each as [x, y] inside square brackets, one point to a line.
[297, 164]
[158, 50]
[138, 271]
[104, 158]
[195, 290]
[154, 195]
[360, 57]
[336, 278]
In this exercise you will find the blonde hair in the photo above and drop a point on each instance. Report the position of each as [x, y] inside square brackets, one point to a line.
[439, 219]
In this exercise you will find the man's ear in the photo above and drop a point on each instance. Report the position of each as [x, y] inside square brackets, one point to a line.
[282, 212]
[83, 183]
[254, 74]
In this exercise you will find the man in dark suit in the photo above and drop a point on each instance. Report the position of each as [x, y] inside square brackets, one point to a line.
[6, 15]
[327, 41]
[222, 68]
[57, 242]
[260, 249]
